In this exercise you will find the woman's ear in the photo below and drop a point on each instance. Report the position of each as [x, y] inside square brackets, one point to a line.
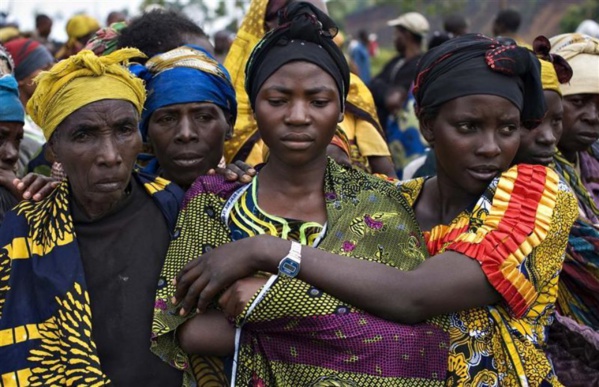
[341, 115]
[50, 152]
[229, 132]
[426, 129]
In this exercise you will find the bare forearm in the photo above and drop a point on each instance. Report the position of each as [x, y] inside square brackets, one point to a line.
[382, 164]
[208, 334]
[443, 284]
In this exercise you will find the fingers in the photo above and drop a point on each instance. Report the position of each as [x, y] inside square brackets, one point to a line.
[189, 289]
[231, 302]
[238, 171]
[24, 183]
[196, 287]
[34, 186]
[244, 170]
[227, 173]
[226, 304]
[38, 187]
[185, 279]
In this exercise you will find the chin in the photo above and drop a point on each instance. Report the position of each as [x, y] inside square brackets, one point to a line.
[185, 181]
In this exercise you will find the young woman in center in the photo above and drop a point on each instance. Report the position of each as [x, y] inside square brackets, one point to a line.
[496, 236]
[292, 334]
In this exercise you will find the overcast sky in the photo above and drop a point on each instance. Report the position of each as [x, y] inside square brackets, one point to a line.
[24, 11]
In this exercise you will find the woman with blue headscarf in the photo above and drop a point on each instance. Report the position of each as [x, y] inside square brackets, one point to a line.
[190, 111]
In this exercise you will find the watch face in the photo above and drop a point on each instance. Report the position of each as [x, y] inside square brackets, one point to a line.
[289, 267]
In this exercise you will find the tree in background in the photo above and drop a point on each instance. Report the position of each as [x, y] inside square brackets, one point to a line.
[576, 13]
[231, 11]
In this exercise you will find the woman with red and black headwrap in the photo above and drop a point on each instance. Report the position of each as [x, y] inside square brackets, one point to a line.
[496, 235]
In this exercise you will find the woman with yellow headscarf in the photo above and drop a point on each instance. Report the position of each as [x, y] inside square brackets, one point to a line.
[74, 305]
[79, 29]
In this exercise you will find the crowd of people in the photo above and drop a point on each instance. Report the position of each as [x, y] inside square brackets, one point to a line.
[178, 213]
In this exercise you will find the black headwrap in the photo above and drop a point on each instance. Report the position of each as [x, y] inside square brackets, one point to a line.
[476, 64]
[304, 34]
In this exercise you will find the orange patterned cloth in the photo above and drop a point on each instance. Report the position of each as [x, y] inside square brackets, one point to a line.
[518, 231]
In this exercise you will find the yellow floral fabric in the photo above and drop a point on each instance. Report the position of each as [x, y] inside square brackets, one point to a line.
[518, 231]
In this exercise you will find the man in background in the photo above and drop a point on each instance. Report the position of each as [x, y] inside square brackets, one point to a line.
[390, 86]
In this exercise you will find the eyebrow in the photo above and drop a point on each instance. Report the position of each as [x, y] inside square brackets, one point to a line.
[82, 127]
[314, 90]
[5, 132]
[125, 121]
[89, 127]
[203, 105]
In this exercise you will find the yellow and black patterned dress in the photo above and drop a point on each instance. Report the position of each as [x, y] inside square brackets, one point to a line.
[518, 231]
[45, 315]
[291, 333]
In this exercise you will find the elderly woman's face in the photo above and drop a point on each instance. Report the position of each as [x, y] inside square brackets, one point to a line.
[475, 138]
[581, 122]
[97, 146]
[188, 139]
[297, 110]
[11, 134]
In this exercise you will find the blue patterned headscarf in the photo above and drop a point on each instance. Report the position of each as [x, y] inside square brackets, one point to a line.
[11, 109]
[184, 75]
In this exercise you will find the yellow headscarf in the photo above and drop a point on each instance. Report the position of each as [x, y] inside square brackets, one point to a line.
[80, 80]
[582, 53]
[8, 33]
[549, 77]
[80, 25]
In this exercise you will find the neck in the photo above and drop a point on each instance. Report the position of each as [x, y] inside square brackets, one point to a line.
[569, 155]
[276, 176]
[97, 208]
[411, 51]
[451, 198]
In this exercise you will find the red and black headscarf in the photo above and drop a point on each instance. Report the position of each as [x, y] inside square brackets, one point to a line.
[476, 64]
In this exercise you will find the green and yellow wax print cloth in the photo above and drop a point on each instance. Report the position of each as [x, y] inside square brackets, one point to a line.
[518, 232]
[46, 334]
[291, 333]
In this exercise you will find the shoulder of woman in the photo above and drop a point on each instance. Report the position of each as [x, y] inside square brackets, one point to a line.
[528, 179]
[211, 185]
[538, 188]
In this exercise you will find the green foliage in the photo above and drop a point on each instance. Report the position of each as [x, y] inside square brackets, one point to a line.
[378, 62]
[339, 9]
[575, 14]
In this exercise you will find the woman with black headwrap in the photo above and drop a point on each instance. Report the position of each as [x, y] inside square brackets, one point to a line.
[292, 334]
[496, 236]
